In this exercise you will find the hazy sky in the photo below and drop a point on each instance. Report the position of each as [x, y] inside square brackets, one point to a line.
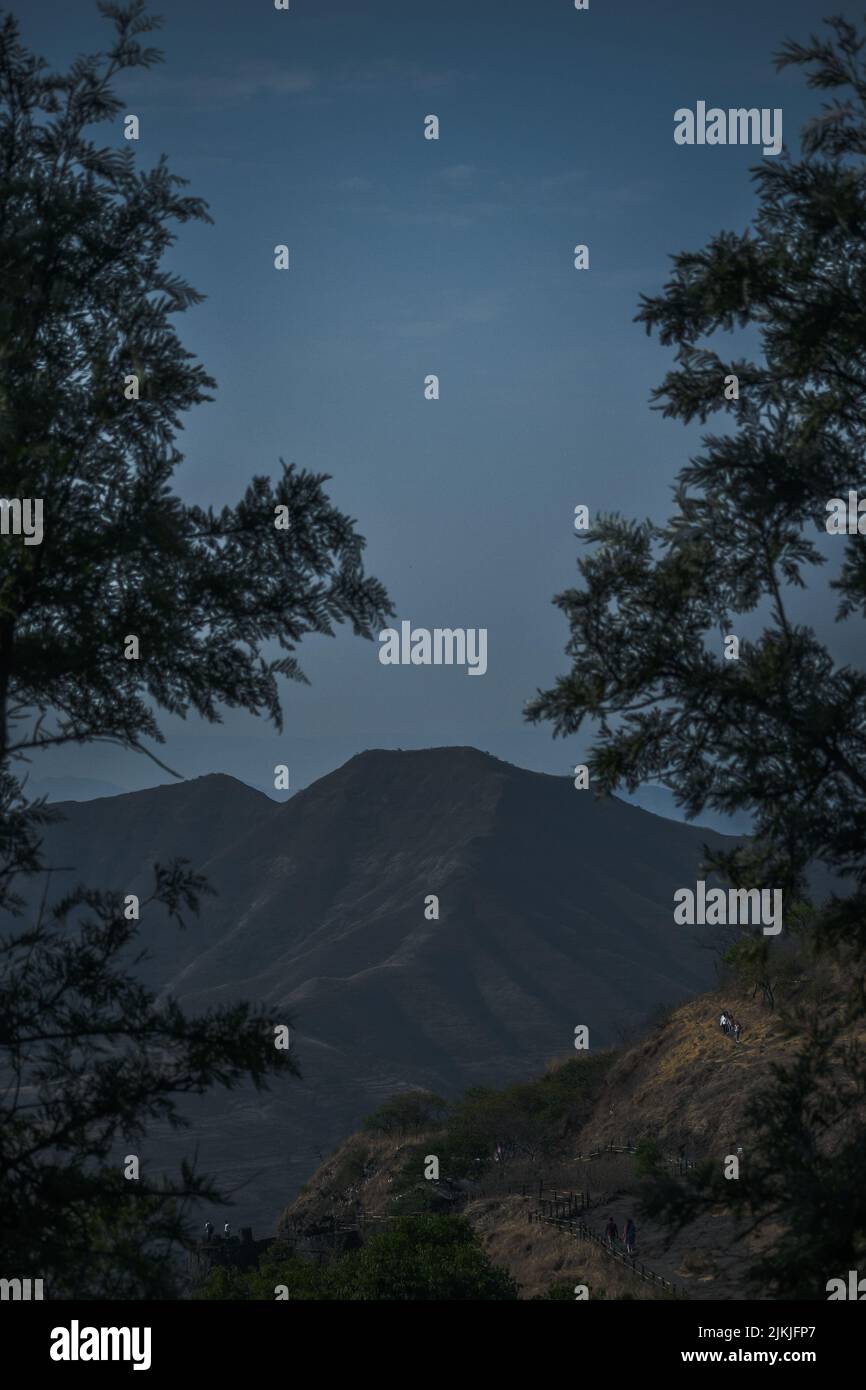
[454, 257]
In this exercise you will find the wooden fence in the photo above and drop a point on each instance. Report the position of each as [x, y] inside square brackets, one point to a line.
[574, 1226]
[554, 1204]
[679, 1163]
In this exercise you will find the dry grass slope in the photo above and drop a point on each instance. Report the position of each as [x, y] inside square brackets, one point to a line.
[538, 1255]
[687, 1082]
[684, 1084]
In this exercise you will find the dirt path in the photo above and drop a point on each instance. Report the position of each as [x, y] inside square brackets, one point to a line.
[701, 1258]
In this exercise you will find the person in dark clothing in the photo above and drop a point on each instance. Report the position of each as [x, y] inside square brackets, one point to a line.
[611, 1231]
[628, 1235]
[208, 1230]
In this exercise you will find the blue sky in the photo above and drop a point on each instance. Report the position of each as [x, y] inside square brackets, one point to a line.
[454, 257]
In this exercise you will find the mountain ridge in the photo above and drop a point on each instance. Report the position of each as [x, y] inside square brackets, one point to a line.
[555, 910]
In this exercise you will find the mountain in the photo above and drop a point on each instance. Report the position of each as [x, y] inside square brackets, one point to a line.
[71, 788]
[683, 1084]
[555, 910]
[650, 796]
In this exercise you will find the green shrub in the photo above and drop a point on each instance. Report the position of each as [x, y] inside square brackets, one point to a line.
[435, 1258]
[406, 1113]
[648, 1159]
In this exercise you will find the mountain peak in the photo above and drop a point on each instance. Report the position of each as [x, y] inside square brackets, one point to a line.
[434, 918]
[463, 754]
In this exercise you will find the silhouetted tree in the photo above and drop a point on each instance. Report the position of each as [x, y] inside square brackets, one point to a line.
[778, 732]
[93, 386]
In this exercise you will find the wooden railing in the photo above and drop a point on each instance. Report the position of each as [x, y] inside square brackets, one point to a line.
[553, 1204]
[574, 1226]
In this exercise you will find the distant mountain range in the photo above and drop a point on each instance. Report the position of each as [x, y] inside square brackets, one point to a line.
[650, 797]
[661, 801]
[56, 789]
[555, 910]
[71, 788]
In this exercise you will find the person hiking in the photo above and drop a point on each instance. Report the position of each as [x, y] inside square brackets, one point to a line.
[611, 1232]
[208, 1230]
[737, 1031]
[723, 1023]
[628, 1235]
